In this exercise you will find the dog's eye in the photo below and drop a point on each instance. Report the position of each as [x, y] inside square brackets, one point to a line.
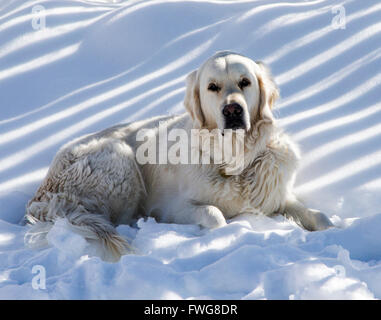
[213, 87]
[244, 83]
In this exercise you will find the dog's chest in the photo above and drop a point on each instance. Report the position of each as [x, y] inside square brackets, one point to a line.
[261, 187]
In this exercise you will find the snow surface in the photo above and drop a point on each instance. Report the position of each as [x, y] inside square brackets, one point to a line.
[99, 63]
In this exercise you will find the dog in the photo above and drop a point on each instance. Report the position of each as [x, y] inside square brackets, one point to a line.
[96, 182]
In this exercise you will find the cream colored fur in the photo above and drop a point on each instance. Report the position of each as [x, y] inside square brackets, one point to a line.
[96, 183]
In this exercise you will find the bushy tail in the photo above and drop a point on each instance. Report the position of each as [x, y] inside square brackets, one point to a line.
[95, 228]
[99, 231]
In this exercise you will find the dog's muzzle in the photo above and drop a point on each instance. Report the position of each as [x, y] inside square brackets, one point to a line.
[234, 116]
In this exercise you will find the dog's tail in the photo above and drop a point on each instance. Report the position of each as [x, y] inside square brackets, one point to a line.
[95, 228]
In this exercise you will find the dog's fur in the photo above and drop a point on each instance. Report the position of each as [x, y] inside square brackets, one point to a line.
[96, 183]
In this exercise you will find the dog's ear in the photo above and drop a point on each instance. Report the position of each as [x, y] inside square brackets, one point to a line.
[269, 91]
[192, 100]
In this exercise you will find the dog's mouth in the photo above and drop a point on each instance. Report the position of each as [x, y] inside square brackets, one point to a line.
[235, 125]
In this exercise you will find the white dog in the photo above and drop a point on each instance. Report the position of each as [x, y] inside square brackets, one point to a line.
[96, 182]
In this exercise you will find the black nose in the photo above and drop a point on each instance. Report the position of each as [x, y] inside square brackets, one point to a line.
[232, 110]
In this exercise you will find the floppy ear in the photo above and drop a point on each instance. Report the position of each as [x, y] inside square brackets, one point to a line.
[269, 92]
[192, 100]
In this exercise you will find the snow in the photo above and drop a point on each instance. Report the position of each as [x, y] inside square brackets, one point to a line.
[99, 63]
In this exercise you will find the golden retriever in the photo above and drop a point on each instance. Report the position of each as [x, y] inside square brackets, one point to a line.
[115, 176]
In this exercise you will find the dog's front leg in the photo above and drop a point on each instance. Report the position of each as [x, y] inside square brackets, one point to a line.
[309, 219]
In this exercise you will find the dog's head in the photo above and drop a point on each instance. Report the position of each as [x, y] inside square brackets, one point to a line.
[230, 91]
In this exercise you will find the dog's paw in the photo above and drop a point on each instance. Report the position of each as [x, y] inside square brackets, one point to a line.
[316, 221]
[212, 218]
